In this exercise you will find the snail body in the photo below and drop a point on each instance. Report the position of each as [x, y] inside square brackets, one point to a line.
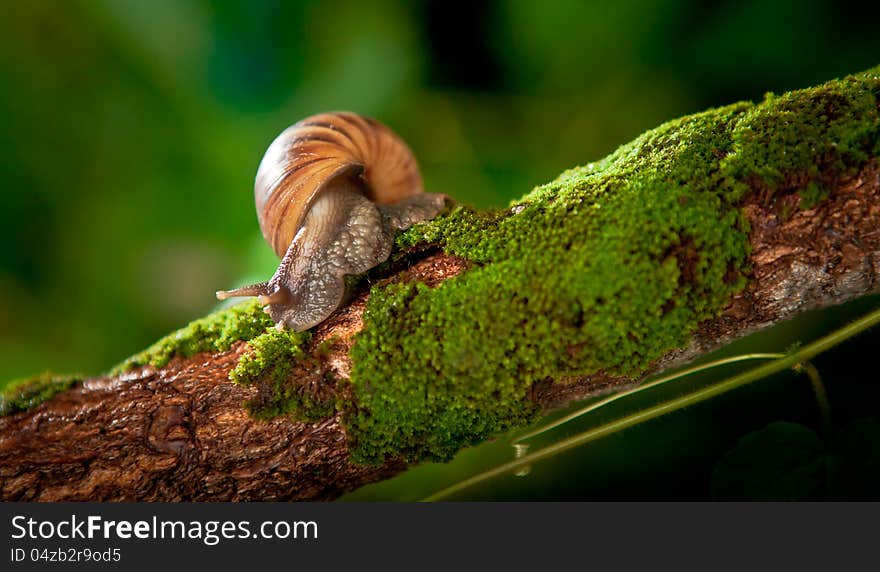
[331, 191]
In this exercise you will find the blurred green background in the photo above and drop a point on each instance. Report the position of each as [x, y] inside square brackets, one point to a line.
[132, 131]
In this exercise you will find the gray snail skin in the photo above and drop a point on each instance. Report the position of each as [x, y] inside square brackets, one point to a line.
[331, 191]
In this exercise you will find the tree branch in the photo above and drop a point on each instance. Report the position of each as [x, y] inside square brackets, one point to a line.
[181, 432]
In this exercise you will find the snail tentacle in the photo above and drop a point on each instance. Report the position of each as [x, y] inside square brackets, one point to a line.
[258, 289]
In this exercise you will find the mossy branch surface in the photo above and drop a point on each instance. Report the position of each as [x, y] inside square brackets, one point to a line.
[699, 231]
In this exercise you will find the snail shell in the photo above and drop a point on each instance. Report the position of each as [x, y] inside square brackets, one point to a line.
[330, 192]
[310, 154]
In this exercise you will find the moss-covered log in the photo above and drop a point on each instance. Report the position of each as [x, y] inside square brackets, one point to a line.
[698, 232]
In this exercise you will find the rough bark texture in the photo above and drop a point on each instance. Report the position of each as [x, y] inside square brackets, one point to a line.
[181, 433]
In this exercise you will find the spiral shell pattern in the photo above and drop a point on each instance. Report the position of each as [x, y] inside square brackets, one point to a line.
[312, 154]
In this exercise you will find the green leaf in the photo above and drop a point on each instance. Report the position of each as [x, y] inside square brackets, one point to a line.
[783, 461]
[858, 447]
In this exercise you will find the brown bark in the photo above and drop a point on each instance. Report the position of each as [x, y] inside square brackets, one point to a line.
[181, 433]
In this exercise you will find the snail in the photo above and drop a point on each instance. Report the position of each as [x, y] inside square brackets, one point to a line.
[331, 191]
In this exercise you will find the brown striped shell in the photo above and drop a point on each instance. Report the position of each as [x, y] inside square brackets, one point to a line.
[310, 155]
[331, 192]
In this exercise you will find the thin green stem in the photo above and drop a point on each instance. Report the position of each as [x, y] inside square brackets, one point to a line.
[821, 397]
[804, 354]
[825, 411]
[648, 385]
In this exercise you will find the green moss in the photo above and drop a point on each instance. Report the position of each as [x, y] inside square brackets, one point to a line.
[23, 394]
[829, 128]
[288, 381]
[813, 194]
[605, 269]
[213, 333]
[611, 288]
